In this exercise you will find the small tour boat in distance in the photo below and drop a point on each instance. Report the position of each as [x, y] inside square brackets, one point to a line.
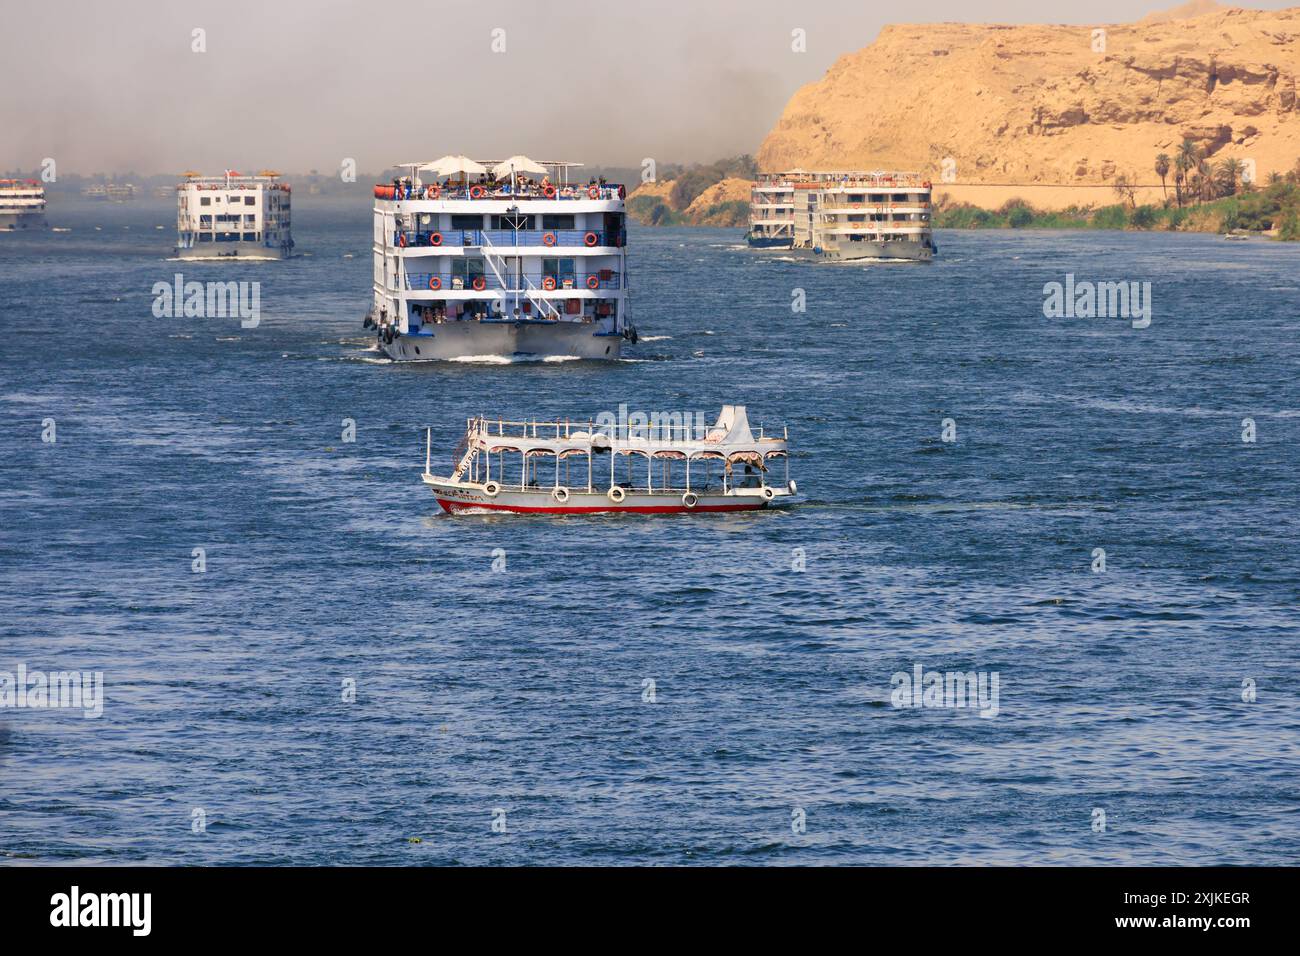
[668, 465]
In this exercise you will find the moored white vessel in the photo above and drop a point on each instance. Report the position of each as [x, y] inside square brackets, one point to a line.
[509, 259]
[650, 466]
[22, 205]
[233, 216]
[837, 215]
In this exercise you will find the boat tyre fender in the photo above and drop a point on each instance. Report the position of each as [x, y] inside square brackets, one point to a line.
[768, 494]
[690, 499]
[491, 489]
[560, 494]
[616, 494]
[794, 489]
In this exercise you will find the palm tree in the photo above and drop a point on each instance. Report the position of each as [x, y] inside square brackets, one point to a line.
[1226, 175]
[1184, 162]
[1205, 186]
[1162, 170]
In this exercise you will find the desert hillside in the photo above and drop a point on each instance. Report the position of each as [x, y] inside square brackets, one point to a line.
[1035, 111]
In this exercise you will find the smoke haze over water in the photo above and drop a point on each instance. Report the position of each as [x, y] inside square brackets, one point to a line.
[300, 86]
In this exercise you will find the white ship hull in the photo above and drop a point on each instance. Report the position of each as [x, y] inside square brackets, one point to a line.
[456, 496]
[14, 221]
[234, 250]
[855, 251]
[468, 339]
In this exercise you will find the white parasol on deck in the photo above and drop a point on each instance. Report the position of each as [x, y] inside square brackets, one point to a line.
[451, 165]
[518, 164]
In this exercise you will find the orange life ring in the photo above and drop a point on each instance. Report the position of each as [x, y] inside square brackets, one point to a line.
[593, 192]
[548, 283]
[435, 283]
[593, 282]
[479, 283]
[548, 191]
[434, 191]
[435, 238]
[548, 239]
[477, 192]
[401, 239]
[590, 239]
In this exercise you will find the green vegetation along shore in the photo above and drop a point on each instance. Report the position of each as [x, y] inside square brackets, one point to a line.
[1207, 197]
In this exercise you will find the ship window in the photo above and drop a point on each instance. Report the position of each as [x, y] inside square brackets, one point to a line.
[558, 268]
[248, 200]
[857, 197]
[513, 222]
[463, 268]
[205, 200]
[466, 222]
[557, 222]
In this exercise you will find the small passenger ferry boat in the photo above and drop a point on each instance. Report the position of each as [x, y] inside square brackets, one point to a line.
[644, 464]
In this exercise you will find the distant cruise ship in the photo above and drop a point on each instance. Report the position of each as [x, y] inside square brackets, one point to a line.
[233, 216]
[843, 214]
[115, 192]
[22, 204]
[499, 259]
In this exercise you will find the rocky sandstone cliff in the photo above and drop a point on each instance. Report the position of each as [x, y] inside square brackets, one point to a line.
[1038, 105]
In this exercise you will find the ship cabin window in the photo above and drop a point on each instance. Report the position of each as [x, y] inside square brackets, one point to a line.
[514, 222]
[205, 200]
[857, 197]
[466, 222]
[249, 200]
[877, 197]
[466, 268]
[558, 269]
[557, 222]
[250, 237]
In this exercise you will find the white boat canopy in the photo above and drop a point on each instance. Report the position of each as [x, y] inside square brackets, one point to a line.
[730, 438]
[518, 164]
[451, 165]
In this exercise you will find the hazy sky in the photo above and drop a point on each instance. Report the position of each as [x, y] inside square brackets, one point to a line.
[297, 85]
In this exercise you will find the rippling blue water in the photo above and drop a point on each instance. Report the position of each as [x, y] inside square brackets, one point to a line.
[523, 690]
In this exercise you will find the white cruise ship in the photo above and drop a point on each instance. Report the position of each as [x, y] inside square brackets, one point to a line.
[233, 216]
[22, 205]
[843, 214]
[513, 259]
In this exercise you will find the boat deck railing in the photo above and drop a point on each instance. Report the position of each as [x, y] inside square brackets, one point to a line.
[562, 238]
[477, 191]
[527, 282]
[658, 430]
